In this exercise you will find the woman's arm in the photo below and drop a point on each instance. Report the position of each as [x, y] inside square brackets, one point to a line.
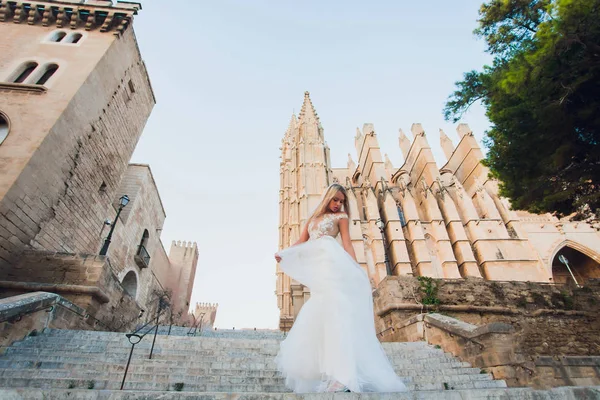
[346, 241]
[303, 238]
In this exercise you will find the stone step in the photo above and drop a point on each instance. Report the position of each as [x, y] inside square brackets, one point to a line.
[184, 361]
[66, 333]
[562, 393]
[238, 333]
[174, 369]
[189, 344]
[121, 338]
[166, 340]
[192, 342]
[100, 334]
[257, 355]
[231, 363]
[188, 376]
[194, 385]
[69, 336]
[95, 350]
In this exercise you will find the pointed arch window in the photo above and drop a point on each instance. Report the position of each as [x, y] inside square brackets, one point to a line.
[4, 127]
[50, 70]
[24, 71]
[142, 257]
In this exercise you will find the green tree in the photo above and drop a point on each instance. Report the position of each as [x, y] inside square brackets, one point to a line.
[542, 97]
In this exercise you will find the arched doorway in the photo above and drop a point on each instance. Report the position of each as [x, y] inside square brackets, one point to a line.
[582, 266]
[130, 284]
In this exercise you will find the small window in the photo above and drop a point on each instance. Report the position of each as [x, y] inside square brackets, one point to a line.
[145, 237]
[131, 88]
[24, 71]
[73, 38]
[57, 36]
[3, 127]
[50, 70]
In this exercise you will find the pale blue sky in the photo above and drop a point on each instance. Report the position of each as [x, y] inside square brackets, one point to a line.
[227, 75]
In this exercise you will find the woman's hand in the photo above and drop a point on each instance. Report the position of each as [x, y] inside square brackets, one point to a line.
[277, 258]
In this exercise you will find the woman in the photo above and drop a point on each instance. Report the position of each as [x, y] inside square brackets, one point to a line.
[332, 345]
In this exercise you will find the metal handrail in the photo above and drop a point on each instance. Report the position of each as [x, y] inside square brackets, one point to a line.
[195, 327]
[50, 308]
[135, 337]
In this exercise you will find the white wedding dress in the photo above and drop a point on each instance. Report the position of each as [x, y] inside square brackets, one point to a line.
[333, 339]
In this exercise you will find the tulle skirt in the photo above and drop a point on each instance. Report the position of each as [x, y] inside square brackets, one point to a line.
[333, 338]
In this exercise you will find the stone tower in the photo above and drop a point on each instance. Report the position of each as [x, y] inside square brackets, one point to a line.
[183, 257]
[305, 172]
[74, 98]
[420, 219]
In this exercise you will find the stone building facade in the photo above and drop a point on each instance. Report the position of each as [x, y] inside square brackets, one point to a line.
[75, 96]
[422, 219]
[137, 255]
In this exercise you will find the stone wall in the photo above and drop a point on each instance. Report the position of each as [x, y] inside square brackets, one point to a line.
[144, 213]
[87, 281]
[550, 320]
[62, 163]
[31, 313]
[494, 348]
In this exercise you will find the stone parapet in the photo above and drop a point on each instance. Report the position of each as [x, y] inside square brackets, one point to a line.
[550, 320]
[494, 348]
[91, 15]
[30, 313]
[87, 281]
[525, 333]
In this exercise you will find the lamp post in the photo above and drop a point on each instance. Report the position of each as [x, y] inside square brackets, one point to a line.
[381, 227]
[123, 201]
[564, 260]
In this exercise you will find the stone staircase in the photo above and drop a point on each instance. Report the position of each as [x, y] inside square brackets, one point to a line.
[229, 364]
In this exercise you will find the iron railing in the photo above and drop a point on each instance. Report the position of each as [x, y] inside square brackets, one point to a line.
[194, 328]
[135, 337]
[50, 308]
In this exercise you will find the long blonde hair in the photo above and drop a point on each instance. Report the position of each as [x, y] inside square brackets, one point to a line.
[331, 191]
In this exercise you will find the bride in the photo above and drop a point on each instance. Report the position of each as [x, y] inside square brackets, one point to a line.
[332, 345]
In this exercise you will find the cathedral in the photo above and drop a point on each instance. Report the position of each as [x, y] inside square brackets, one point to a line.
[421, 219]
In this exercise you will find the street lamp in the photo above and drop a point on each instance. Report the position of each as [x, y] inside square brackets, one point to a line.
[123, 201]
[381, 227]
[564, 260]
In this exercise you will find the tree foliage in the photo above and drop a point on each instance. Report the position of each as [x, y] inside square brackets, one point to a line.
[542, 96]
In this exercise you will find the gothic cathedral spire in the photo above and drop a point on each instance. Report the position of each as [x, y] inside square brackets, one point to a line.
[305, 174]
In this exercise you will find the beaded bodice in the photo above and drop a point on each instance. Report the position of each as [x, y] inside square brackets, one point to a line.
[325, 225]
